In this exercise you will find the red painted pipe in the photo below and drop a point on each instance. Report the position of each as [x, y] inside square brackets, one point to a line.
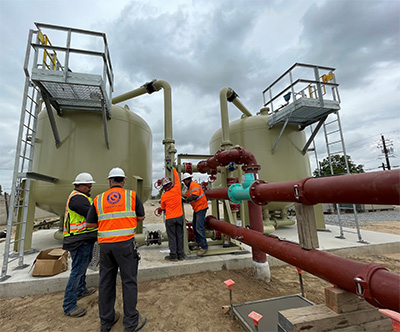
[256, 224]
[219, 193]
[224, 157]
[366, 188]
[377, 285]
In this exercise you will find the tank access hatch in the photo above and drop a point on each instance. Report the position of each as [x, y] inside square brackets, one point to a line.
[310, 93]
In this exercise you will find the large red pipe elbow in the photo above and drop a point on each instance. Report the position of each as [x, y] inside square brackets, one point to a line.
[376, 284]
[237, 155]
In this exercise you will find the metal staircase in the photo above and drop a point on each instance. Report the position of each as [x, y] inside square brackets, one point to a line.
[52, 82]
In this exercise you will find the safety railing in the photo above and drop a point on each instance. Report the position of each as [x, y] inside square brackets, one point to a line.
[302, 81]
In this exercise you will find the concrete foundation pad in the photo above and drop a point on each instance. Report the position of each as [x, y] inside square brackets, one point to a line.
[153, 265]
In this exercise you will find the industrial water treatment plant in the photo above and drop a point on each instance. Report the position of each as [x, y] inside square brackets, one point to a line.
[258, 166]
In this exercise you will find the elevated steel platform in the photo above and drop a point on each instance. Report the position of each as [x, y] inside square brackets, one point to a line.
[311, 95]
[72, 90]
[303, 112]
[63, 86]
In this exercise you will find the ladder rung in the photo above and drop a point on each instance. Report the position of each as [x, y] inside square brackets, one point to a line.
[12, 259]
[19, 206]
[18, 240]
[335, 142]
[332, 132]
[337, 152]
[26, 142]
[333, 121]
[31, 98]
[23, 157]
[30, 113]
[29, 128]
[19, 223]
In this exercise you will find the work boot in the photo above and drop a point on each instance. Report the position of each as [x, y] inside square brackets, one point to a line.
[142, 322]
[194, 245]
[171, 258]
[88, 292]
[78, 312]
[108, 328]
[202, 252]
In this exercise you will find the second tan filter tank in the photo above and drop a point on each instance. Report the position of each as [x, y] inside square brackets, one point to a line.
[287, 163]
[83, 149]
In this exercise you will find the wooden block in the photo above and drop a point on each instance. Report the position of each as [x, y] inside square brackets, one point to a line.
[341, 301]
[383, 325]
[306, 226]
[320, 318]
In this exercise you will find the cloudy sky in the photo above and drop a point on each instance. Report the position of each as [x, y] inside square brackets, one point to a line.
[201, 46]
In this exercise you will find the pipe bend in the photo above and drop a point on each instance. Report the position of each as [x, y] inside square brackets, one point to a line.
[162, 84]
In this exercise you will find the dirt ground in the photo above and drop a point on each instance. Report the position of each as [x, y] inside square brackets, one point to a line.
[183, 303]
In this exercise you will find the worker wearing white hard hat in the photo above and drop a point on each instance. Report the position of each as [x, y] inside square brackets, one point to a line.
[116, 173]
[117, 213]
[197, 199]
[79, 240]
[186, 176]
[83, 178]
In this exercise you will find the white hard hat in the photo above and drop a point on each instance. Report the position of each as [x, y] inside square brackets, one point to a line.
[186, 176]
[165, 181]
[83, 178]
[116, 173]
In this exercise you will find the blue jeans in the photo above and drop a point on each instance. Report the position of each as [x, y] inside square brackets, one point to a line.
[76, 285]
[198, 227]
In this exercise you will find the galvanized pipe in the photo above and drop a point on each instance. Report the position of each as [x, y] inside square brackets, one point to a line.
[376, 284]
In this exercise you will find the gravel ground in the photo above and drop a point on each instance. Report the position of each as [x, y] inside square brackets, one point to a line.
[364, 218]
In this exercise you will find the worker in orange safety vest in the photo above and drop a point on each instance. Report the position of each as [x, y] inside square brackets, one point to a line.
[171, 203]
[117, 213]
[198, 200]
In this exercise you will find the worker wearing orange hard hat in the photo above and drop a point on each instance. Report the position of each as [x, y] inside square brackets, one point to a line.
[171, 203]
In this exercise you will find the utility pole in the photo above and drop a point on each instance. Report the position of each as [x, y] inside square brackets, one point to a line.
[386, 151]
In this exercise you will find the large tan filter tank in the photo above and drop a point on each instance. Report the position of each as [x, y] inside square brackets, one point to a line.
[287, 163]
[83, 149]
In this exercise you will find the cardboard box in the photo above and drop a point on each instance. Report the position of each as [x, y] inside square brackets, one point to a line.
[50, 262]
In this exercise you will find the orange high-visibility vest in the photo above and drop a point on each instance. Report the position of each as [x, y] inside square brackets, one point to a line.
[74, 223]
[116, 215]
[201, 202]
[171, 200]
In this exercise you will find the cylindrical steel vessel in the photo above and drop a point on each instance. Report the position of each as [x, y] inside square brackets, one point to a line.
[83, 149]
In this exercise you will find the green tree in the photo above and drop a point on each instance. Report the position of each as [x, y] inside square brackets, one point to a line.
[338, 165]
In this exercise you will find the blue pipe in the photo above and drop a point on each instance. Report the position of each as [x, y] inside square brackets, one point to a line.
[240, 192]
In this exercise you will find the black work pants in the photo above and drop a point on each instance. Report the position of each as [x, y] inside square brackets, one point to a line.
[120, 255]
[174, 228]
